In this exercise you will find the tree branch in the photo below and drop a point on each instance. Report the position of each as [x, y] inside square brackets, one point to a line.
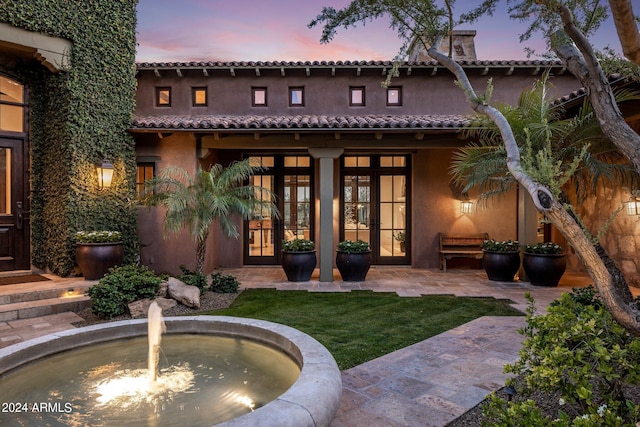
[627, 29]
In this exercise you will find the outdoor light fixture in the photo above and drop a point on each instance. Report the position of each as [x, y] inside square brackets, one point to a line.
[633, 206]
[105, 174]
[466, 207]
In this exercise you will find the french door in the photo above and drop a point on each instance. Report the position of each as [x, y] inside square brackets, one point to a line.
[289, 178]
[375, 205]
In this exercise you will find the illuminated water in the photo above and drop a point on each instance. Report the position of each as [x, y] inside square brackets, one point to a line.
[202, 380]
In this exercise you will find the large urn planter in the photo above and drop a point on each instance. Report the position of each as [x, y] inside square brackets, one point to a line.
[97, 252]
[353, 259]
[95, 259]
[501, 266]
[544, 269]
[299, 266]
[353, 267]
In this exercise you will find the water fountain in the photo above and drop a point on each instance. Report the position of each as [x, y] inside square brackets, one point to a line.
[281, 376]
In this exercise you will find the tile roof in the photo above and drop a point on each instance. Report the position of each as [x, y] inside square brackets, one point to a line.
[320, 64]
[252, 122]
[614, 80]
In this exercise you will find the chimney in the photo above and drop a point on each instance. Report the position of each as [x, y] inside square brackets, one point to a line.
[464, 48]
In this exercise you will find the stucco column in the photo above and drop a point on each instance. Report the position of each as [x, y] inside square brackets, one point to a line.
[527, 224]
[326, 157]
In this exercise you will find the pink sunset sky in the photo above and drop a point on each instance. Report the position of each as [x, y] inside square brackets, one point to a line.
[276, 30]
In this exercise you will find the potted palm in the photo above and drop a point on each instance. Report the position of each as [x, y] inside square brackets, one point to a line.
[544, 263]
[353, 259]
[501, 259]
[298, 259]
[97, 252]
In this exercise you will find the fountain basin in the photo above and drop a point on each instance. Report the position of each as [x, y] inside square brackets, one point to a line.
[311, 401]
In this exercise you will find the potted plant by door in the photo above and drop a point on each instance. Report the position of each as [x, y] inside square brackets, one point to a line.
[401, 236]
[97, 252]
[501, 259]
[298, 259]
[353, 259]
[544, 263]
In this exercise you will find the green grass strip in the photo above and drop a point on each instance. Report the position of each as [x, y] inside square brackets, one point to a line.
[361, 325]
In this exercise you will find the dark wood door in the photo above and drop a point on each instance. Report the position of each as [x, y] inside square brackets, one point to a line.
[14, 225]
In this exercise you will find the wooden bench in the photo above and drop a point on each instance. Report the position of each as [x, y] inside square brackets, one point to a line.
[460, 246]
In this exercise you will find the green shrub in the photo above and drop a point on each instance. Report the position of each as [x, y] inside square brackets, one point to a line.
[298, 245]
[193, 278]
[579, 351]
[224, 283]
[119, 287]
[350, 246]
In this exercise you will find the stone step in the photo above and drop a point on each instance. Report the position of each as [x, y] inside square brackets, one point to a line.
[34, 291]
[43, 307]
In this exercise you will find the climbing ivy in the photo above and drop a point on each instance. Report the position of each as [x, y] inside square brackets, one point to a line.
[78, 117]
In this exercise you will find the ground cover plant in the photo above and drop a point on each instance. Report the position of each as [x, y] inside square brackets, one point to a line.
[361, 325]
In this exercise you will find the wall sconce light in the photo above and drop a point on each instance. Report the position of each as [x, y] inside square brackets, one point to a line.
[105, 174]
[466, 207]
[633, 207]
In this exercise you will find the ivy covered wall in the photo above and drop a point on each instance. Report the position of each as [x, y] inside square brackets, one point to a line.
[78, 117]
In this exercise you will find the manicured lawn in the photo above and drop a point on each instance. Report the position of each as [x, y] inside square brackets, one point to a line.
[362, 325]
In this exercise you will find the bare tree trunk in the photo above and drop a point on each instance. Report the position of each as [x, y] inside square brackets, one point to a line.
[627, 29]
[545, 202]
[583, 64]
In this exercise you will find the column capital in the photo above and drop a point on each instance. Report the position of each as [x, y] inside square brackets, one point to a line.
[326, 153]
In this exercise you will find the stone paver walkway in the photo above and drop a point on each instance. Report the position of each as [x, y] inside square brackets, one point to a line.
[427, 384]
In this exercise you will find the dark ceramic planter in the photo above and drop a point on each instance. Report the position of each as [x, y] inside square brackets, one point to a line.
[299, 266]
[501, 266]
[95, 259]
[544, 269]
[353, 267]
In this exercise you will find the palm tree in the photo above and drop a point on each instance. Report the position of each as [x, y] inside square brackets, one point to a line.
[540, 127]
[214, 195]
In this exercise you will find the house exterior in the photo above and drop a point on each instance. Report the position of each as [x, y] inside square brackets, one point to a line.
[346, 157]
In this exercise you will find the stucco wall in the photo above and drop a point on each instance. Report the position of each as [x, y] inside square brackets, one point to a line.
[622, 238]
[436, 209]
[162, 253]
[422, 92]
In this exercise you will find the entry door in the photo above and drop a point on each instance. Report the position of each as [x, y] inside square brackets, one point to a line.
[14, 227]
[375, 205]
[289, 178]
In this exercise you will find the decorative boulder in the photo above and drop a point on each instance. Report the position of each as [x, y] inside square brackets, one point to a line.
[183, 293]
[140, 308]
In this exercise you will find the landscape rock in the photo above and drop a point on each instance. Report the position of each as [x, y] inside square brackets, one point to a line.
[140, 308]
[183, 293]
[163, 289]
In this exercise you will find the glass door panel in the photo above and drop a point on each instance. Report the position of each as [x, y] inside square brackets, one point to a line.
[297, 207]
[357, 208]
[5, 180]
[392, 215]
[261, 224]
